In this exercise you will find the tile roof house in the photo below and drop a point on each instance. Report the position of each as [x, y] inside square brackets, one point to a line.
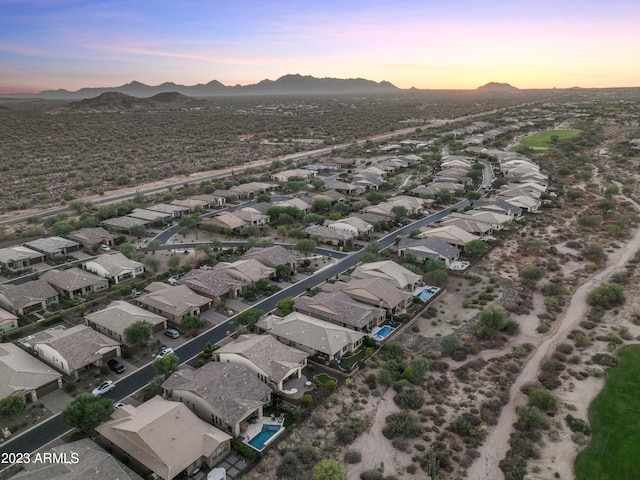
[8, 321]
[309, 334]
[294, 202]
[285, 175]
[389, 270]
[176, 211]
[82, 459]
[75, 282]
[191, 203]
[332, 236]
[28, 297]
[273, 362]
[251, 189]
[23, 374]
[118, 316]
[53, 247]
[353, 224]
[212, 200]
[374, 291]
[251, 217]
[164, 437]
[248, 270]
[150, 215]
[73, 350]
[467, 224]
[215, 284]
[115, 266]
[223, 221]
[429, 249]
[173, 302]
[15, 259]
[341, 309]
[450, 234]
[272, 256]
[223, 394]
[92, 237]
[124, 224]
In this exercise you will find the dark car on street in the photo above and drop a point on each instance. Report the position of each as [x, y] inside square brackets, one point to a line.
[115, 365]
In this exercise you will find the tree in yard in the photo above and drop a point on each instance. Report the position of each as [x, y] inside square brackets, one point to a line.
[282, 231]
[173, 262]
[249, 295]
[329, 469]
[138, 231]
[400, 212]
[61, 228]
[283, 271]
[607, 295]
[286, 305]
[191, 321]
[138, 333]
[153, 264]
[166, 365]
[374, 197]
[127, 249]
[438, 278]
[262, 285]
[444, 196]
[476, 249]
[532, 274]
[321, 205]
[249, 317]
[187, 223]
[86, 412]
[263, 198]
[153, 246]
[306, 246]
[11, 405]
[492, 320]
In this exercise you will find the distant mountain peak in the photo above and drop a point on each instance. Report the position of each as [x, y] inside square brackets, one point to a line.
[497, 87]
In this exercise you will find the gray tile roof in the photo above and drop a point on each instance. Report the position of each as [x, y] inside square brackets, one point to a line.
[175, 301]
[73, 279]
[119, 315]
[91, 235]
[339, 308]
[51, 245]
[21, 372]
[271, 256]
[230, 388]
[20, 296]
[212, 283]
[437, 245]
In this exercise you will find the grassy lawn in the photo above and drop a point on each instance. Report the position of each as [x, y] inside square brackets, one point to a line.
[323, 378]
[614, 451]
[540, 141]
[348, 362]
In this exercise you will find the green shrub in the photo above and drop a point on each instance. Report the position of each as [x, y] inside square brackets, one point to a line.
[605, 360]
[348, 431]
[403, 425]
[243, 450]
[543, 399]
[577, 425]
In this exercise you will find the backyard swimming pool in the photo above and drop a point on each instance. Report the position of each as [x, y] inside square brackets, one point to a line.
[258, 442]
[383, 333]
[427, 293]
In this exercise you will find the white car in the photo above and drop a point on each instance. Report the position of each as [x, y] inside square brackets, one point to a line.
[118, 405]
[105, 248]
[104, 388]
[165, 351]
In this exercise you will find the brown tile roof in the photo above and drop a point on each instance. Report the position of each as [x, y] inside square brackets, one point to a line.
[271, 256]
[21, 372]
[212, 283]
[164, 436]
[339, 308]
[25, 294]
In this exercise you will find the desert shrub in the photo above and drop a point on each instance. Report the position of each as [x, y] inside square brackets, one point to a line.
[513, 466]
[577, 425]
[348, 431]
[402, 424]
[511, 327]
[581, 340]
[543, 399]
[371, 474]
[352, 456]
[409, 398]
[463, 427]
[290, 467]
[531, 418]
[565, 348]
[604, 359]
[532, 274]
[607, 295]
[490, 411]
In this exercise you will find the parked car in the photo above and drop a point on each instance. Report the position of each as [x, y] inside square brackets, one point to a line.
[165, 351]
[172, 333]
[115, 365]
[276, 279]
[118, 405]
[175, 279]
[103, 388]
[105, 248]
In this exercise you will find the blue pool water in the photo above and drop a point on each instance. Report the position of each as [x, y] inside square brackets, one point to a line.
[263, 437]
[427, 293]
[383, 332]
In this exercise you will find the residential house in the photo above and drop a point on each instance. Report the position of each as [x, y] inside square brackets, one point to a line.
[524, 202]
[18, 259]
[23, 374]
[317, 337]
[28, 297]
[301, 173]
[294, 202]
[222, 222]
[192, 204]
[151, 216]
[414, 205]
[215, 284]
[373, 291]
[389, 270]
[226, 195]
[450, 234]
[368, 180]
[499, 206]
[8, 321]
[273, 362]
[80, 460]
[73, 350]
[75, 282]
[91, 238]
[382, 208]
[429, 249]
[273, 256]
[119, 315]
[173, 302]
[467, 224]
[340, 309]
[331, 236]
[164, 437]
[331, 195]
[53, 247]
[251, 217]
[212, 200]
[124, 224]
[227, 395]
[351, 224]
[176, 211]
[248, 271]
[252, 189]
[115, 266]
[347, 187]
[495, 220]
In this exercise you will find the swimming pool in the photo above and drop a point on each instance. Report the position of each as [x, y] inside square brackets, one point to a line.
[260, 440]
[383, 333]
[427, 293]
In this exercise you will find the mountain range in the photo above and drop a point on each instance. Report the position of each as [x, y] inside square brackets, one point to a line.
[286, 85]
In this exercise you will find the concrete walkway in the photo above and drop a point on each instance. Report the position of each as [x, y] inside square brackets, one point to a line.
[56, 401]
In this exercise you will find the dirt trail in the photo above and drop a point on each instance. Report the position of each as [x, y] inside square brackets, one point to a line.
[497, 442]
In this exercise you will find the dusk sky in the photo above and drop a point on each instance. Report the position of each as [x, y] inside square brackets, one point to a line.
[432, 44]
